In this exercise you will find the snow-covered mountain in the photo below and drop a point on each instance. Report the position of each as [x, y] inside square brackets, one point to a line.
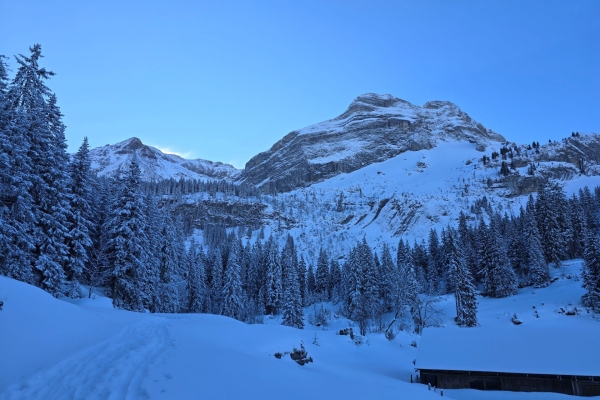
[155, 164]
[373, 129]
[385, 169]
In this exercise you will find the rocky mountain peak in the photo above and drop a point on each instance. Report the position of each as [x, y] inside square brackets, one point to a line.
[132, 144]
[373, 129]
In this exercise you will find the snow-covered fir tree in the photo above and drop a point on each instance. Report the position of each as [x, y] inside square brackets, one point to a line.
[196, 295]
[233, 304]
[464, 289]
[274, 278]
[291, 306]
[539, 274]
[591, 272]
[322, 276]
[131, 285]
[80, 218]
[499, 279]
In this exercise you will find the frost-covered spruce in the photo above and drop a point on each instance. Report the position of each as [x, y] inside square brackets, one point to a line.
[130, 283]
[195, 288]
[322, 276]
[233, 305]
[274, 278]
[464, 290]
[389, 278]
[80, 219]
[335, 280]
[170, 253]
[534, 257]
[591, 272]
[291, 303]
[16, 216]
[37, 123]
[499, 278]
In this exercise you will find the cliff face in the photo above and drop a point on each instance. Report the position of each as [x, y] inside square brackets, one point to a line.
[156, 165]
[373, 129]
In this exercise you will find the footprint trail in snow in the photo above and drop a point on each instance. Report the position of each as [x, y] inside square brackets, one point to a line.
[112, 369]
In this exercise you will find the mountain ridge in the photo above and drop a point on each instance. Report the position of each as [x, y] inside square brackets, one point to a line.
[373, 128]
[154, 164]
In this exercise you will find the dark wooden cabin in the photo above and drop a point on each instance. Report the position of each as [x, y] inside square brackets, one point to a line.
[517, 359]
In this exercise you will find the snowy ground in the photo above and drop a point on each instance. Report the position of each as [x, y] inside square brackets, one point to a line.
[54, 349]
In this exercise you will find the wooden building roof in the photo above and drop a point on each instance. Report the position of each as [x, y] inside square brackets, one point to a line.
[515, 349]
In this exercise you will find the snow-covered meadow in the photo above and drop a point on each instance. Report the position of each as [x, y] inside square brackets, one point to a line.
[85, 349]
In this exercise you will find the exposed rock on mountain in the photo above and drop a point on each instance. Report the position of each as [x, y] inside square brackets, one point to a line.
[155, 164]
[374, 128]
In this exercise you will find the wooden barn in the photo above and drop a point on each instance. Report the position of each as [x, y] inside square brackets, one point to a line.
[518, 358]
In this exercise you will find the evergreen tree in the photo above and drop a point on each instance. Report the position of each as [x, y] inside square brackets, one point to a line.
[37, 124]
[499, 277]
[434, 263]
[170, 254]
[215, 280]
[273, 278]
[591, 272]
[388, 278]
[233, 305]
[310, 285]
[128, 244]
[293, 314]
[335, 280]
[322, 276]
[80, 224]
[16, 204]
[195, 287]
[534, 257]
[464, 290]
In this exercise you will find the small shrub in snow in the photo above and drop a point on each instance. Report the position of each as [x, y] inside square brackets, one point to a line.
[300, 355]
[278, 355]
[315, 340]
[390, 335]
[347, 331]
[360, 340]
[515, 320]
[569, 310]
[413, 344]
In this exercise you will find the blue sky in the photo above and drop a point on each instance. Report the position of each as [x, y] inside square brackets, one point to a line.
[225, 80]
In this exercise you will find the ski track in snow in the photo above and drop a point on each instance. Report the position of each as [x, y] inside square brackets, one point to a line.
[113, 369]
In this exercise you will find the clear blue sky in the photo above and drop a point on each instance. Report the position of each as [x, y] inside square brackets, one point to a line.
[224, 80]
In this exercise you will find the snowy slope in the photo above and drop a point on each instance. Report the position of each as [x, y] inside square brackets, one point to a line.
[57, 350]
[155, 164]
[407, 195]
[52, 349]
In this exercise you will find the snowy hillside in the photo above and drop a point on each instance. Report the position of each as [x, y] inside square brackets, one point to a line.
[87, 350]
[155, 164]
[408, 195]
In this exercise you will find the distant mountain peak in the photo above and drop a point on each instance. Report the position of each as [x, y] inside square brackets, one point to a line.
[155, 164]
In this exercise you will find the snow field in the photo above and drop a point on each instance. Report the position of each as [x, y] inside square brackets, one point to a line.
[52, 349]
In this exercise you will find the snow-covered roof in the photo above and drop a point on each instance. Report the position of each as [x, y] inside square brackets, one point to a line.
[516, 349]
